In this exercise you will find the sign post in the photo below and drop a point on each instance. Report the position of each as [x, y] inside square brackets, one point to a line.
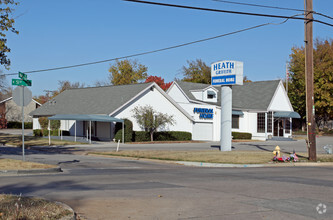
[22, 97]
[226, 73]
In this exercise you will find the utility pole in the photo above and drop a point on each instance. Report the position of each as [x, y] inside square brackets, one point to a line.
[310, 108]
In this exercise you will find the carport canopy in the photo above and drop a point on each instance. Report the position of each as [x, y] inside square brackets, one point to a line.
[90, 118]
[286, 115]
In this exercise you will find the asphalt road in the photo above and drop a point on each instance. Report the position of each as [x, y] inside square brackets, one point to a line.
[108, 188]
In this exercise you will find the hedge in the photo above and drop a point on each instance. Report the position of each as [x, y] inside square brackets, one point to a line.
[45, 132]
[128, 132]
[172, 136]
[241, 135]
[18, 125]
[141, 136]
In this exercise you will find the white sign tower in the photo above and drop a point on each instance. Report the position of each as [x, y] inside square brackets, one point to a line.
[226, 73]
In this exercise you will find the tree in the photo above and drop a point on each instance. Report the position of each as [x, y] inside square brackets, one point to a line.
[5, 90]
[63, 85]
[127, 72]
[6, 24]
[323, 80]
[151, 120]
[246, 79]
[159, 81]
[197, 72]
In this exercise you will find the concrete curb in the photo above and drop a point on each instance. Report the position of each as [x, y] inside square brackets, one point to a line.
[298, 164]
[32, 171]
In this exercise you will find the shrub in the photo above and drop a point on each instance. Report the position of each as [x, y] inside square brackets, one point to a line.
[44, 122]
[241, 135]
[173, 136]
[55, 132]
[54, 124]
[38, 132]
[141, 136]
[18, 125]
[128, 133]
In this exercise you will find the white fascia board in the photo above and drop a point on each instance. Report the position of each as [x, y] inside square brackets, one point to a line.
[36, 102]
[208, 87]
[172, 84]
[162, 92]
[5, 100]
[284, 94]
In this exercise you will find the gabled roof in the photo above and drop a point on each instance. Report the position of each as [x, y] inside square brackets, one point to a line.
[92, 100]
[104, 100]
[250, 96]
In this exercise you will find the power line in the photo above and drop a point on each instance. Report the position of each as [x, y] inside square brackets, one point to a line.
[153, 51]
[261, 6]
[323, 15]
[273, 7]
[226, 11]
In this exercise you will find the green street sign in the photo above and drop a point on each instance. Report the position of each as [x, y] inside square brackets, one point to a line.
[19, 82]
[23, 76]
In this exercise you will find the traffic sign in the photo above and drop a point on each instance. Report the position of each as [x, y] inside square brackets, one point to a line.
[20, 82]
[22, 96]
[23, 76]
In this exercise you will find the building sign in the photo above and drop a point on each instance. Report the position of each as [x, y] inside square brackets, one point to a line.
[204, 113]
[227, 73]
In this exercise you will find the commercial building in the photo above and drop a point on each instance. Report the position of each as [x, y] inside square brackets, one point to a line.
[260, 108]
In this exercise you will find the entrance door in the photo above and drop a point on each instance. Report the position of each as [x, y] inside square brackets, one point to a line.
[278, 128]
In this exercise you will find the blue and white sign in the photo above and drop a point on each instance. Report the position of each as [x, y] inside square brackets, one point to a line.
[204, 113]
[227, 73]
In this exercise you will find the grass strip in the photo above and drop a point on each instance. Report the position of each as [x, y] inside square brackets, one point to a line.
[17, 207]
[10, 164]
[209, 156]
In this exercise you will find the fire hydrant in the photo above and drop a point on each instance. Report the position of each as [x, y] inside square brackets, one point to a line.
[276, 152]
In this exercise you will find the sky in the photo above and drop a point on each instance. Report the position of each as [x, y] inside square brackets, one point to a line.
[68, 32]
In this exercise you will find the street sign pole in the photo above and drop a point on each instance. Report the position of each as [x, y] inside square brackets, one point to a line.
[23, 124]
[21, 100]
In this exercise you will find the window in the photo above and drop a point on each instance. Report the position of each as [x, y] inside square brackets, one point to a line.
[261, 122]
[235, 121]
[269, 121]
[210, 94]
[287, 129]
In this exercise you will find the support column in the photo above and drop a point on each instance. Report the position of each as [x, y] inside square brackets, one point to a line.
[48, 128]
[90, 132]
[291, 127]
[266, 125]
[75, 132]
[226, 118]
[123, 134]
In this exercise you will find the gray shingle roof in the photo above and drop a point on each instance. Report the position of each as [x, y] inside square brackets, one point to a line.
[93, 100]
[251, 95]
